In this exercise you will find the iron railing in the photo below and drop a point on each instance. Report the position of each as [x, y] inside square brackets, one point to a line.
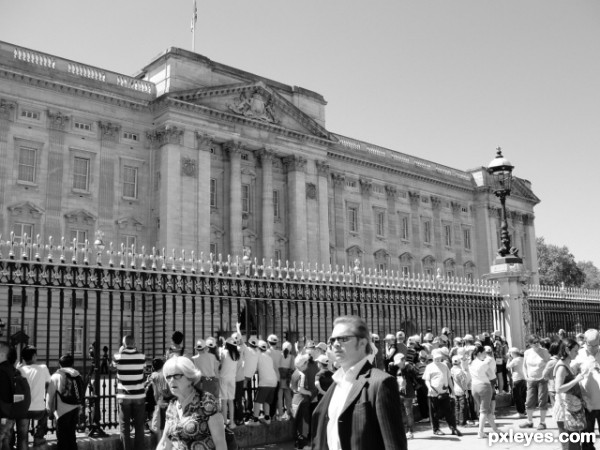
[64, 298]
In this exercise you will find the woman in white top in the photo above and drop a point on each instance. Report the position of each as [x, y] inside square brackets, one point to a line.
[481, 387]
[230, 359]
[534, 362]
[519, 387]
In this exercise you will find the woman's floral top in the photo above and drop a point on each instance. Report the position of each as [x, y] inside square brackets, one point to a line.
[191, 432]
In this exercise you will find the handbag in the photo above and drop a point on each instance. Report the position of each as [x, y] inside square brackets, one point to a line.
[230, 439]
[574, 413]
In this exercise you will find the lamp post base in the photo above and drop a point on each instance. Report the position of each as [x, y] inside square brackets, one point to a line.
[510, 259]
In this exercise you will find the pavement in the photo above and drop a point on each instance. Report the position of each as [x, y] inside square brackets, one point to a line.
[507, 419]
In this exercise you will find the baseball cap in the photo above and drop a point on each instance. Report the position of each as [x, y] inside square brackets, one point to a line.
[437, 353]
[456, 359]
[375, 337]
[262, 345]
[398, 357]
[428, 337]
[310, 344]
[211, 342]
[200, 344]
[400, 335]
[487, 349]
[287, 346]
[390, 337]
[322, 346]
[323, 359]
[252, 341]
[272, 339]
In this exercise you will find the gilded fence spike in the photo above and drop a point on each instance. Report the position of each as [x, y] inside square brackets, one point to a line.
[163, 257]
[301, 271]
[37, 245]
[295, 272]
[287, 270]
[237, 266]
[256, 268]
[193, 269]
[111, 254]
[86, 247]
[201, 263]
[220, 264]
[173, 261]
[49, 248]
[228, 265]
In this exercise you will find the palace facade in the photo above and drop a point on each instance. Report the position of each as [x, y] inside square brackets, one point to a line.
[195, 155]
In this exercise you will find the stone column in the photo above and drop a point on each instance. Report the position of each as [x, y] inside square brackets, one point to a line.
[57, 123]
[339, 180]
[415, 241]
[169, 140]
[267, 230]
[439, 244]
[236, 243]
[323, 192]
[203, 144]
[529, 231]
[513, 280]
[109, 136]
[393, 237]
[457, 241]
[367, 223]
[6, 117]
[296, 181]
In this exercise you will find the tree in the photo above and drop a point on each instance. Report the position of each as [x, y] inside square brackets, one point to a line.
[592, 274]
[557, 265]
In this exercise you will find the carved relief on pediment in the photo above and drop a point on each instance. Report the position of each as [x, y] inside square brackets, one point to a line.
[25, 208]
[80, 216]
[255, 105]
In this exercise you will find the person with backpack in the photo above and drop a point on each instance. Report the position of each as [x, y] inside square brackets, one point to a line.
[130, 393]
[6, 395]
[65, 396]
[38, 377]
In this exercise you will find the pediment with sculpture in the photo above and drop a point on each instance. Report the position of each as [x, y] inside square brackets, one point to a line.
[255, 102]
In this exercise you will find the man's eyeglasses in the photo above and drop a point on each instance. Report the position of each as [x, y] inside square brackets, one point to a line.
[176, 376]
[340, 339]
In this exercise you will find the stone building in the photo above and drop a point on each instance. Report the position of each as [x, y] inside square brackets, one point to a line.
[197, 155]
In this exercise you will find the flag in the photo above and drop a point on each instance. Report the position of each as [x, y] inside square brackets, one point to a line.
[194, 16]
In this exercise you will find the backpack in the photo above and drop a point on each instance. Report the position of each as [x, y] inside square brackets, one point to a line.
[74, 391]
[20, 387]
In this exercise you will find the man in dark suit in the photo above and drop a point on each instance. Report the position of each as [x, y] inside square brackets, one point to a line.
[362, 409]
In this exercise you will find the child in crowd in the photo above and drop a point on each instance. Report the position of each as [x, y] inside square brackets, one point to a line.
[286, 368]
[461, 386]
[323, 378]
[406, 376]
[519, 388]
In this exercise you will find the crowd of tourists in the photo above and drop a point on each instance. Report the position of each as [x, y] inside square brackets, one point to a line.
[201, 395]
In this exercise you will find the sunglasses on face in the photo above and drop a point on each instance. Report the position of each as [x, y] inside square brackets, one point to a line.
[175, 376]
[340, 339]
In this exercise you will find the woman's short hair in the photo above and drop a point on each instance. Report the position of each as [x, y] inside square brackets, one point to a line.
[533, 339]
[566, 345]
[476, 351]
[182, 364]
[554, 347]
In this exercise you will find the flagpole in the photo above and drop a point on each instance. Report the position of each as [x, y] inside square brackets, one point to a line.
[194, 18]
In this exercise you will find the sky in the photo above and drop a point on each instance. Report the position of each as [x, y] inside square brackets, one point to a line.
[447, 81]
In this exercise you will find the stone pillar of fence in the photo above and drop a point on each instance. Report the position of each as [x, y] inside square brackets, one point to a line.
[512, 279]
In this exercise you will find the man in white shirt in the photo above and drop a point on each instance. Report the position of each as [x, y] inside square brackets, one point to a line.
[361, 410]
[38, 377]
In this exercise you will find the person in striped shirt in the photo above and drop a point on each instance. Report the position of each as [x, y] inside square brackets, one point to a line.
[130, 393]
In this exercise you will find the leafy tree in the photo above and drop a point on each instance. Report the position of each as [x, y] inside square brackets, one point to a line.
[557, 265]
[592, 274]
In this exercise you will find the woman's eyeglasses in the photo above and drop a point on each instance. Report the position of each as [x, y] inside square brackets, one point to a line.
[340, 339]
[176, 376]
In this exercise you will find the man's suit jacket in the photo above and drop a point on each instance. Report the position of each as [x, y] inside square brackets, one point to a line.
[371, 418]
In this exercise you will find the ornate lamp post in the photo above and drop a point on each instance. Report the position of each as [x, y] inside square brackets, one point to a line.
[95, 428]
[500, 171]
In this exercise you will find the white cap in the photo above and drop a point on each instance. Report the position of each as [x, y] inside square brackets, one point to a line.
[323, 359]
[200, 344]
[272, 339]
[262, 345]
[211, 342]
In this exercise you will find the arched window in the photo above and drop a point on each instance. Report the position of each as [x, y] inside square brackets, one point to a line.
[382, 259]
[406, 264]
[469, 269]
[429, 265]
[449, 268]
[352, 254]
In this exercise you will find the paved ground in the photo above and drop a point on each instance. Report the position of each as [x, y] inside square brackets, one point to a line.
[425, 440]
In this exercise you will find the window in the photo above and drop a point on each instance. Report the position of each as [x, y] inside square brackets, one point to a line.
[404, 228]
[351, 184]
[129, 242]
[213, 248]
[427, 232]
[82, 126]
[378, 189]
[78, 302]
[15, 326]
[77, 344]
[130, 179]
[277, 256]
[467, 238]
[244, 156]
[352, 218]
[213, 193]
[245, 198]
[448, 235]
[276, 205]
[81, 173]
[78, 238]
[22, 230]
[27, 164]
[18, 300]
[30, 114]
[380, 223]
[130, 136]
[405, 271]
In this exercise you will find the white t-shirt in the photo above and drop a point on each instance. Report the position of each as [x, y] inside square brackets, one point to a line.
[267, 377]
[438, 375]
[481, 372]
[250, 361]
[276, 356]
[37, 375]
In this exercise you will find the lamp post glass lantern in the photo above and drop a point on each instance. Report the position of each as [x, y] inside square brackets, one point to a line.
[500, 171]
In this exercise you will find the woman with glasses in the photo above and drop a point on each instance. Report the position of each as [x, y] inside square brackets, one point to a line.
[192, 418]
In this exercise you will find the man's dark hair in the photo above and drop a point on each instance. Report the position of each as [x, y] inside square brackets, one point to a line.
[359, 326]
[157, 364]
[28, 353]
[66, 360]
[177, 337]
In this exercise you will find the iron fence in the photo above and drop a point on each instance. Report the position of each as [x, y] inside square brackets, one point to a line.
[572, 309]
[81, 300]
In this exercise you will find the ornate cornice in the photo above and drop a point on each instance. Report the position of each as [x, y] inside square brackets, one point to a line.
[203, 141]
[169, 134]
[294, 162]
[109, 131]
[57, 120]
[414, 197]
[322, 168]
[365, 186]
[338, 179]
[6, 109]
[17, 209]
[391, 191]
